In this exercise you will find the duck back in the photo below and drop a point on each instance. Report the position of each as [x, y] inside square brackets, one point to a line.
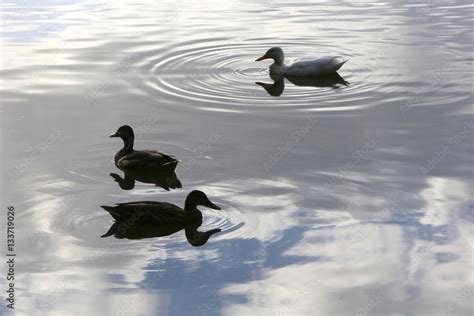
[314, 67]
[146, 160]
[151, 212]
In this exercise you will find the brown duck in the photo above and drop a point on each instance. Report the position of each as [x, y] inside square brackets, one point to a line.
[129, 159]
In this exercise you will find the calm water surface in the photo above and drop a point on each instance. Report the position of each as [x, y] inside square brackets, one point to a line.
[336, 200]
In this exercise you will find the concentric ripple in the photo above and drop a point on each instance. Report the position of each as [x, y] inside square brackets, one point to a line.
[221, 76]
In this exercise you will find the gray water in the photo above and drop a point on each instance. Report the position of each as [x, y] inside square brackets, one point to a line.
[336, 200]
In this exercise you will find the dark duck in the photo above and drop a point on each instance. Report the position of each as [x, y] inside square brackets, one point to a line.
[151, 212]
[148, 219]
[129, 159]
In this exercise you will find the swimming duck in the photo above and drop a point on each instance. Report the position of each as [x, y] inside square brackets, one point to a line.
[161, 212]
[303, 67]
[129, 159]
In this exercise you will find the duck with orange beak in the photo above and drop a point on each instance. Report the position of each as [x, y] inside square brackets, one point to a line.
[302, 68]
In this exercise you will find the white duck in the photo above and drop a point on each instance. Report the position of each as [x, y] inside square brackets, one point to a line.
[303, 67]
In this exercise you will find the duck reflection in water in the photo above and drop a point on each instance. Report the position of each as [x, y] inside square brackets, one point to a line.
[147, 166]
[278, 86]
[148, 219]
[168, 180]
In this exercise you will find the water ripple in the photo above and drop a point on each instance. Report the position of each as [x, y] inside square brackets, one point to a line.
[221, 76]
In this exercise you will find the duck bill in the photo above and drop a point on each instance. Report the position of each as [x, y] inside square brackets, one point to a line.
[261, 58]
[114, 135]
[212, 205]
[213, 231]
[263, 84]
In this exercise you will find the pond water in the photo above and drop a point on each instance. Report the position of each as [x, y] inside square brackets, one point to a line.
[337, 199]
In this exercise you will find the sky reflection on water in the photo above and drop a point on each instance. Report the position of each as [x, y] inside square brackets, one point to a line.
[335, 201]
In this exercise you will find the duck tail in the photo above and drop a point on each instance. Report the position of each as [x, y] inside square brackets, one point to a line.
[111, 231]
[112, 211]
[338, 65]
[172, 162]
[173, 181]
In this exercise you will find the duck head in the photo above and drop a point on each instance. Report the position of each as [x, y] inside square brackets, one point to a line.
[198, 198]
[275, 53]
[125, 132]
